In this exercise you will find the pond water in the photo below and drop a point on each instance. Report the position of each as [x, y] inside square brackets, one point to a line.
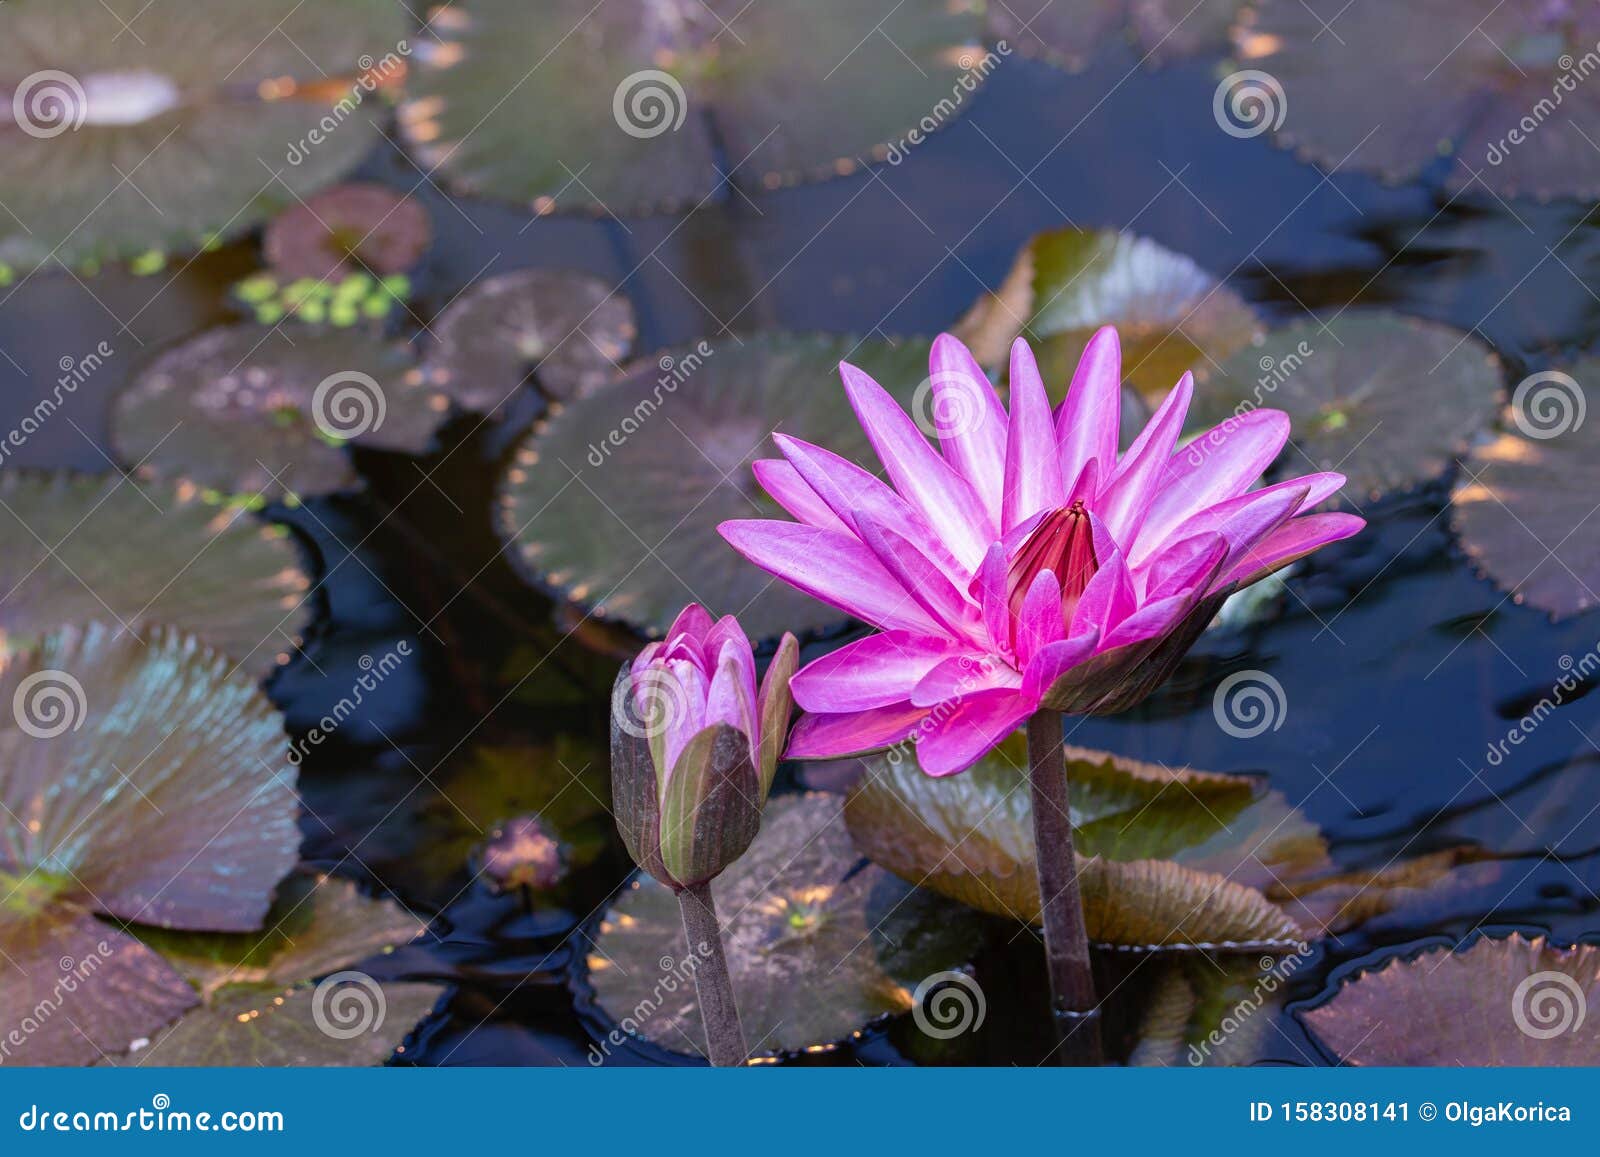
[1400, 666]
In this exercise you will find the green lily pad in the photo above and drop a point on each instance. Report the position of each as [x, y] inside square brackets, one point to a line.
[563, 784]
[615, 501]
[81, 548]
[349, 228]
[139, 780]
[127, 129]
[817, 949]
[258, 1003]
[1501, 87]
[1203, 1012]
[639, 103]
[1065, 284]
[1512, 1001]
[564, 332]
[1168, 857]
[255, 411]
[1389, 401]
[1521, 495]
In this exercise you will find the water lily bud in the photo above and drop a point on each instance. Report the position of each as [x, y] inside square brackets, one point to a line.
[522, 854]
[695, 745]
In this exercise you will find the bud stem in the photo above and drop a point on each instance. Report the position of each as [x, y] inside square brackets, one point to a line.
[1066, 940]
[724, 1034]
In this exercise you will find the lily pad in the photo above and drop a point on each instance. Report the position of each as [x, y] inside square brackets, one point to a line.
[1500, 86]
[80, 548]
[1511, 1001]
[257, 412]
[1387, 400]
[817, 949]
[1065, 284]
[614, 502]
[357, 226]
[126, 129]
[258, 1004]
[1167, 857]
[773, 92]
[1342, 901]
[564, 332]
[1522, 494]
[139, 780]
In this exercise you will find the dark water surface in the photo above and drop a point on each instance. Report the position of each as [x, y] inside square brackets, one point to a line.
[1400, 666]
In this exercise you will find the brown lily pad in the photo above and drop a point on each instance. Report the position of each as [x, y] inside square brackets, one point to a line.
[257, 412]
[1511, 1001]
[351, 227]
[140, 781]
[1387, 400]
[82, 548]
[819, 946]
[615, 501]
[1168, 857]
[564, 332]
[1522, 505]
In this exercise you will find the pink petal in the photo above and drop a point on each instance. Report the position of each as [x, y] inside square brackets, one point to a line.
[693, 621]
[676, 694]
[790, 491]
[851, 492]
[1124, 503]
[1152, 619]
[963, 675]
[989, 588]
[1033, 467]
[918, 577]
[1109, 598]
[832, 567]
[1295, 539]
[855, 733]
[1183, 566]
[1245, 520]
[876, 671]
[973, 728]
[1222, 463]
[731, 698]
[1054, 661]
[922, 477]
[1040, 621]
[970, 421]
[1088, 421]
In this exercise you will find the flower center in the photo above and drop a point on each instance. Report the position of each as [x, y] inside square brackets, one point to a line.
[1062, 544]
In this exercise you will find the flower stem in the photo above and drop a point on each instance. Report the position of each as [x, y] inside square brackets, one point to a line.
[724, 1034]
[1066, 940]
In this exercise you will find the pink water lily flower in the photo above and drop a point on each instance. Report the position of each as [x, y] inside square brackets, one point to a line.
[1029, 565]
